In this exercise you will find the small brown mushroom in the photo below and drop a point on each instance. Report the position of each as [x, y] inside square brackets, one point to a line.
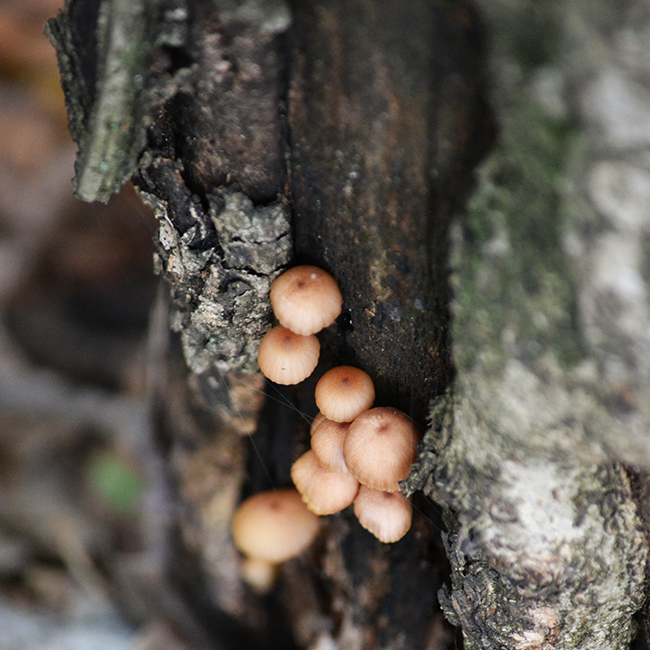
[323, 491]
[387, 515]
[286, 357]
[306, 299]
[327, 444]
[344, 392]
[316, 423]
[274, 526]
[379, 448]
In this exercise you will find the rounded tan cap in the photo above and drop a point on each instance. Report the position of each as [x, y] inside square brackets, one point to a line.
[274, 525]
[387, 515]
[324, 491]
[316, 422]
[306, 299]
[287, 358]
[379, 448]
[344, 392]
[327, 444]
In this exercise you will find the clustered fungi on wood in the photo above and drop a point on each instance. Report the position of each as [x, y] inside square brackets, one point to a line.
[286, 357]
[405, 134]
[325, 491]
[358, 453]
[327, 439]
[306, 299]
[380, 448]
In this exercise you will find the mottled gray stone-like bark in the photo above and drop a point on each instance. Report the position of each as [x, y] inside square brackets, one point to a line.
[222, 318]
[550, 342]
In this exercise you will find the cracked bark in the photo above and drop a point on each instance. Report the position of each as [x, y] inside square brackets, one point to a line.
[345, 135]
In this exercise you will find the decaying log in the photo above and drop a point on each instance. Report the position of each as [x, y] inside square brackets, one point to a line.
[345, 134]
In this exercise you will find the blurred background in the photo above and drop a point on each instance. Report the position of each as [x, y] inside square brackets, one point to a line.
[76, 286]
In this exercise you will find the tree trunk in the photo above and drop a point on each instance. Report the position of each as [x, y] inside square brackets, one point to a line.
[345, 134]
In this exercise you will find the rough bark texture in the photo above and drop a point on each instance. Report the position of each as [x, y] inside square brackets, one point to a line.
[344, 134]
[384, 110]
[550, 343]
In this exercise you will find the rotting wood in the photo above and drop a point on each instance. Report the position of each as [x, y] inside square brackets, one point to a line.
[414, 125]
[359, 124]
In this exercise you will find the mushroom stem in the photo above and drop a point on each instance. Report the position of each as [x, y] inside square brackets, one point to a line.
[258, 574]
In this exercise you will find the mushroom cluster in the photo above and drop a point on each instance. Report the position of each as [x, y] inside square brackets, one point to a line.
[358, 453]
[305, 299]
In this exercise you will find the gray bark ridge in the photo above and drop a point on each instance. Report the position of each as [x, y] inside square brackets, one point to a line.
[544, 554]
[550, 342]
[220, 271]
[111, 89]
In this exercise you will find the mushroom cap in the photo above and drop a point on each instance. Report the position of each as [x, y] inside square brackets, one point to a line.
[387, 515]
[306, 299]
[316, 423]
[324, 491]
[344, 392]
[274, 525]
[379, 448]
[287, 358]
[327, 444]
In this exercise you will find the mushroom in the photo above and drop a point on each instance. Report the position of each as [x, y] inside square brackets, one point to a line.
[272, 527]
[323, 491]
[344, 392]
[306, 299]
[379, 448]
[286, 357]
[258, 574]
[387, 515]
[316, 423]
[327, 444]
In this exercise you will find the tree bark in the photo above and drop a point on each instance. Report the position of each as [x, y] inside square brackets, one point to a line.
[546, 543]
[345, 134]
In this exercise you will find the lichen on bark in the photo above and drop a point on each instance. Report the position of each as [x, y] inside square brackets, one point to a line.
[545, 540]
[106, 53]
